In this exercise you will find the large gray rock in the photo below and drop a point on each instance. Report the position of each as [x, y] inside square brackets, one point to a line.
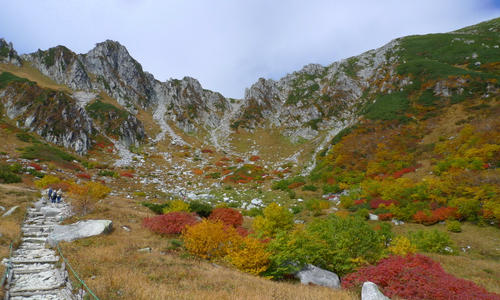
[10, 211]
[318, 276]
[370, 291]
[79, 230]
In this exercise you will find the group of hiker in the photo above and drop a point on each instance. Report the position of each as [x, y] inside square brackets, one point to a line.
[54, 196]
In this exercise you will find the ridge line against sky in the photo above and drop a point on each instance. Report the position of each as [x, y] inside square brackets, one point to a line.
[228, 45]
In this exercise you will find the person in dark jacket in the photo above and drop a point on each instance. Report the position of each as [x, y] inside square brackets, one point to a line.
[50, 193]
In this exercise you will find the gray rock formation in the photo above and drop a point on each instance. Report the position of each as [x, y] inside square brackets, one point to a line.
[370, 291]
[8, 54]
[79, 230]
[318, 276]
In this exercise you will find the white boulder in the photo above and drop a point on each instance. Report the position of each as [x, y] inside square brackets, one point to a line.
[370, 291]
[79, 230]
[10, 211]
[318, 276]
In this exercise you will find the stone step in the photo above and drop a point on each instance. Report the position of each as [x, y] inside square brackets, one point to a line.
[34, 261]
[56, 294]
[34, 240]
[31, 246]
[33, 271]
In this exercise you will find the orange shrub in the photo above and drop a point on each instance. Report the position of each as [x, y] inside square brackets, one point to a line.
[207, 151]
[210, 240]
[197, 172]
[254, 158]
[295, 185]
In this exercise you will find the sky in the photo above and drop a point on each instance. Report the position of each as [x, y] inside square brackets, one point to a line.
[228, 44]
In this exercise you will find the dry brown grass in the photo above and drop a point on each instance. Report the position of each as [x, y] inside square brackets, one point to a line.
[480, 264]
[10, 227]
[29, 72]
[114, 269]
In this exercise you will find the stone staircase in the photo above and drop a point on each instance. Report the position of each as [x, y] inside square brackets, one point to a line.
[35, 270]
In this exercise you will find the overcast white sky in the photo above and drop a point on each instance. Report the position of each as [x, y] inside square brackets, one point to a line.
[227, 45]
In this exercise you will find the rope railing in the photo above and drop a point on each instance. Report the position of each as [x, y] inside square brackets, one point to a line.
[7, 269]
[76, 274]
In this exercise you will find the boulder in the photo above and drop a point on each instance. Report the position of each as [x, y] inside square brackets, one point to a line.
[79, 230]
[10, 211]
[373, 217]
[312, 274]
[370, 291]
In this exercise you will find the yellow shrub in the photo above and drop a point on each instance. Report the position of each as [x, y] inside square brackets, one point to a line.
[402, 246]
[97, 190]
[251, 257]
[86, 195]
[176, 205]
[276, 218]
[210, 240]
[46, 181]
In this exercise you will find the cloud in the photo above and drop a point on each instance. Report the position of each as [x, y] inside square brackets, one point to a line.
[226, 44]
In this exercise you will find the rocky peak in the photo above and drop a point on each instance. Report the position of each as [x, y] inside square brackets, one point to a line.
[8, 54]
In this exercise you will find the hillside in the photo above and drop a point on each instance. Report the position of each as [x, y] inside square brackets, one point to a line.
[399, 145]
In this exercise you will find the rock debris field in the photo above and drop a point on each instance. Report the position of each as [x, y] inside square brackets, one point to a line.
[36, 273]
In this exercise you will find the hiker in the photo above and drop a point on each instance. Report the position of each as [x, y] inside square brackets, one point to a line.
[59, 196]
[54, 197]
[50, 193]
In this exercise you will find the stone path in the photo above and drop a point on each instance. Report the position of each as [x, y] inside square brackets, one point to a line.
[35, 273]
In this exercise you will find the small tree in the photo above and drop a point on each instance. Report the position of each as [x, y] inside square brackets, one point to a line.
[86, 195]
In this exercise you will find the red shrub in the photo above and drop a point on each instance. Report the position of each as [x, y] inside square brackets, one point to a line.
[83, 175]
[416, 277]
[401, 172]
[170, 223]
[385, 217]
[229, 216]
[35, 166]
[238, 160]
[444, 213]
[127, 174]
[375, 203]
[359, 201]
[207, 151]
[224, 159]
[254, 158]
[242, 231]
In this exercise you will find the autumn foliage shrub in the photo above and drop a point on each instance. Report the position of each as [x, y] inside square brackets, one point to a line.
[170, 223]
[176, 205]
[210, 240]
[228, 216]
[46, 181]
[35, 166]
[250, 256]
[402, 246]
[416, 277]
[84, 175]
[127, 174]
[276, 218]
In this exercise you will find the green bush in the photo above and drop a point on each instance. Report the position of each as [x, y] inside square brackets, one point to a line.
[203, 209]
[453, 226]
[331, 188]
[309, 187]
[7, 176]
[155, 207]
[334, 243]
[432, 241]
[45, 152]
[108, 173]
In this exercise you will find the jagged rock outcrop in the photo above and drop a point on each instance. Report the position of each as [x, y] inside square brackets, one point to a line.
[8, 54]
[53, 115]
[109, 67]
[316, 97]
[61, 65]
